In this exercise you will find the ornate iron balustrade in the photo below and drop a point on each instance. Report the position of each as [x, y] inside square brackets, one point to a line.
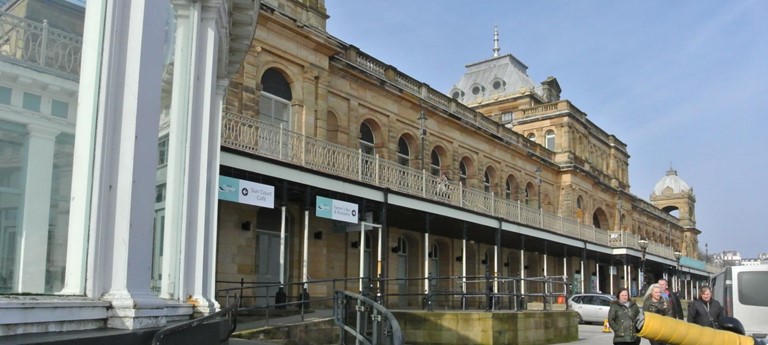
[249, 135]
[36, 44]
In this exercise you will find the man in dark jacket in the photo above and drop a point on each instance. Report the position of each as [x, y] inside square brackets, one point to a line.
[675, 307]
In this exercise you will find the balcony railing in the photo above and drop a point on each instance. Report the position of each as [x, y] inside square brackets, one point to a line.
[252, 136]
[36, 44]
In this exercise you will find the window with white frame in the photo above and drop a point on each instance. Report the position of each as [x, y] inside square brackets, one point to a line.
[275, 102]
[403, 152]
[434, 163]
[549, 140]
[366, 139]
[463, 173]
[487, 182]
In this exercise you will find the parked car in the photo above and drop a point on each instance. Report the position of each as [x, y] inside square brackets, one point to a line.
[742, 291]
[591, 307]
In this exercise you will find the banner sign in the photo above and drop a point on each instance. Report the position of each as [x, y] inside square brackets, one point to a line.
[246, 192]
[336, 210]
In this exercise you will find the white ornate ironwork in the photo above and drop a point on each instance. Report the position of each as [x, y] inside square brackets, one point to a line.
[249, 135]
[36, 44]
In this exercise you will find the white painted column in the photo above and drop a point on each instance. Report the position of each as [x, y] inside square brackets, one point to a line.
[583, 275]
[36, 209]
[611, 269]
[597, 276]
[203, 102]
[124, 186]
[361, 269]
[305, 248]
[426, 263]
[627, 277]
[496, 268]
[522, 271]
[87, 134]
[177, 179]
[464, 265]
[212, 196]
[282, 244]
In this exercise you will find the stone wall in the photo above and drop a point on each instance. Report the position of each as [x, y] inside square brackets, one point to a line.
[474, 327]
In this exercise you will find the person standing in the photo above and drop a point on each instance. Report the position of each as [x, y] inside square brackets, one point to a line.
[622, 317]
[655, 303]
[675, 307]
[705, 310]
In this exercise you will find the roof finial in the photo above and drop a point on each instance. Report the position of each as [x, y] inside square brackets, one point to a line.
[495, 41]
[671, 170]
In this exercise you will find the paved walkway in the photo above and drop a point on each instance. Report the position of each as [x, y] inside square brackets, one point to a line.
[319, 314]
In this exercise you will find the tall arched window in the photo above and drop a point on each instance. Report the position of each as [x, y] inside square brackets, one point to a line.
[487, 182]
[549, 140]
[434, 163]
[275, 102]
[579, 208]
[463, 173]
[403, 152]
[508, 190]
[366, 139]
[532, 137]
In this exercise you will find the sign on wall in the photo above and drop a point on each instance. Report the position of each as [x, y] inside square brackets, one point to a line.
[336, 210]
[246, 192]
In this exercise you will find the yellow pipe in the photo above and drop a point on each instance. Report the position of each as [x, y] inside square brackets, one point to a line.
[677, 332]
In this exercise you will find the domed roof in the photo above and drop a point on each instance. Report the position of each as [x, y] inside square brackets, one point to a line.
[672, 181]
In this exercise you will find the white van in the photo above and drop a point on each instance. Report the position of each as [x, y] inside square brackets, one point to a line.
[743, 291]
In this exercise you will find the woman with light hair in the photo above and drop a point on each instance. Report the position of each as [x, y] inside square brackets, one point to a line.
[655, 303]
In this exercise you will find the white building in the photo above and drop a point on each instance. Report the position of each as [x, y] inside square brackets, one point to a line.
[81, 177]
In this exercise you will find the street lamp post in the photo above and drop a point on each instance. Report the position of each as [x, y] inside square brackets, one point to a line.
[678, 255]
[422, 134]
[706, 260]
[643, 243]
[538, 183]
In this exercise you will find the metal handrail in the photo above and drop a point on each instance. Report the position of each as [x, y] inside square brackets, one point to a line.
[230, 311]
[293, 294]
[369, 317]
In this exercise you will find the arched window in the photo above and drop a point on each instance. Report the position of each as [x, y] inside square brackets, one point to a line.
[403, 152]
[366, 139]
[434, 163]
[487, 182]
[463, 173]
[579, 208]
[508, 190]
[532, 137]
[275, 101]
[530, 190]
[549, 142]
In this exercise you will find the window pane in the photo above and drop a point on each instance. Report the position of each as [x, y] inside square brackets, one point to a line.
[5, 95]
[36, 177]
[59, 109]
[752, 288]
[31, 102]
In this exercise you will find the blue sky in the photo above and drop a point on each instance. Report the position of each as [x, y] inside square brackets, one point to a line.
[682, 83]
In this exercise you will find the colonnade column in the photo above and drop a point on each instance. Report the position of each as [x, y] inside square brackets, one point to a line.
[124, 185]
[597, 276]
[196, 268]
[522, 265]
[426, 255]
[36, 209]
